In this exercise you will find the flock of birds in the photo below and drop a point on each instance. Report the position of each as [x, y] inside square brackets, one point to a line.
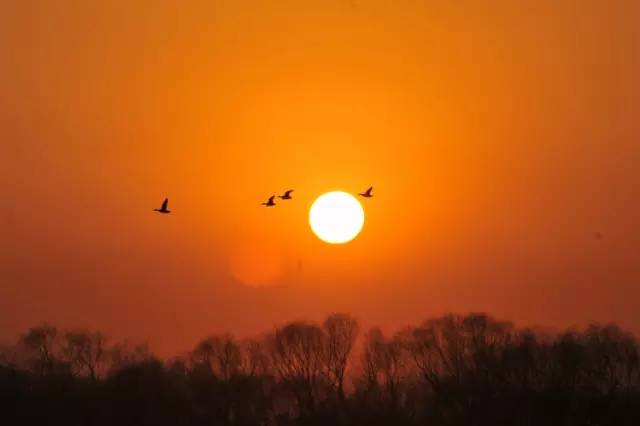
[287, 196]
[164, 209]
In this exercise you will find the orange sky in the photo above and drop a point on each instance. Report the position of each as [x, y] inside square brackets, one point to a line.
[500, 136]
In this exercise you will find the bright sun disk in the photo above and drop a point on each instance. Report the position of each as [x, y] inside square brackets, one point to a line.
[336, 217]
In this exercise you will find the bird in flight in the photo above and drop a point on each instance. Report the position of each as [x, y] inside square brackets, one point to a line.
[270, 203]
[367, 193]
[164, 208]
[287, 195]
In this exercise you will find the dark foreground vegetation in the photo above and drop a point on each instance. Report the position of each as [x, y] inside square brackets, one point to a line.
[453, 370]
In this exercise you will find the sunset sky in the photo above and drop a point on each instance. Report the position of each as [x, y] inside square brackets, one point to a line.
[501, 137]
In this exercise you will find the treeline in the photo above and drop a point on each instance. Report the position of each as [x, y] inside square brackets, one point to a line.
[452, 370]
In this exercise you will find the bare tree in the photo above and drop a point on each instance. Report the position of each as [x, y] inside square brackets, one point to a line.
[86, 353]
[125, 353]
[385, 364]
[524, 361]
[613, 358]
[254, 357]
[221, 354]
[341, 332]
[297, 352]
[40, 342]
[370, 364]
[487, 339]
[421, 344]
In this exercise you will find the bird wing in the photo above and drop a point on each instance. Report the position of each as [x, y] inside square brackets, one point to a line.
[165, 203]
[288, 192]
[271, 198]
[369, 190]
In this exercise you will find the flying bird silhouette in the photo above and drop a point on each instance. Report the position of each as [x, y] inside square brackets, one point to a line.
[270, 203]
[367, 193]
[287, 195]
[164, 208]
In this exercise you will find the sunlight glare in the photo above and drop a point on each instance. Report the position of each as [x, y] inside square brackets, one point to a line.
[336, 217]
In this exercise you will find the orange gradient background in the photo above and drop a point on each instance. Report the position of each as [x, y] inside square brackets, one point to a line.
[500, 137]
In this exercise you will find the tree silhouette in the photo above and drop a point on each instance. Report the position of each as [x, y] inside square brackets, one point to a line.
[40, 343]
[447, 371]
[85, 353]
[341, 333]
[297, 351]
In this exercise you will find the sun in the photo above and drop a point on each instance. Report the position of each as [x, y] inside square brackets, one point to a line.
[336, 217]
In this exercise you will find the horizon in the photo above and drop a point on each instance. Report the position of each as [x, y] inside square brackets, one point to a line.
[15, 352]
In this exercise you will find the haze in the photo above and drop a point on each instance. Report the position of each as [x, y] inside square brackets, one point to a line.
[501, 138]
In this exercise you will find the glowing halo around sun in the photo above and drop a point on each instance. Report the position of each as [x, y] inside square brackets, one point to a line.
[336, 217]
